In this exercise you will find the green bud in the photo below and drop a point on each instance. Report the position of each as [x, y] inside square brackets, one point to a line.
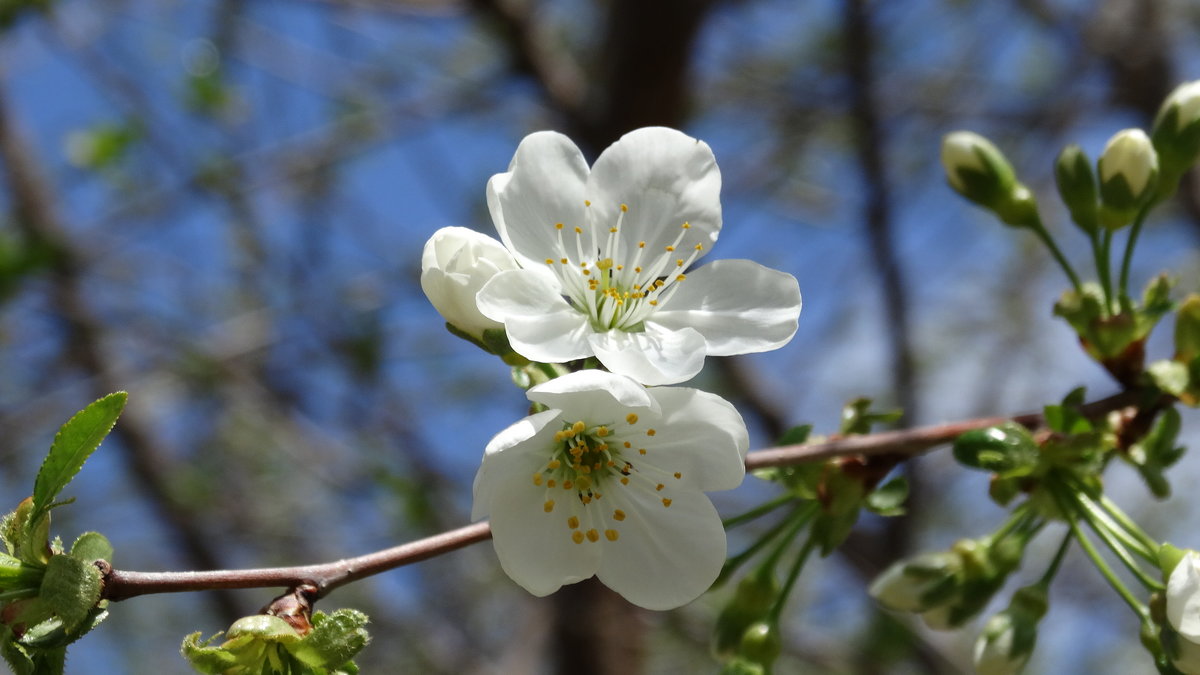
[761, 643]
[741, 666]
[751, 602]
[1176, 130]
[1007, 449]
[1077, 186]
[1168, 558]
[1128, 170]
[1187, 329]
[977, 170]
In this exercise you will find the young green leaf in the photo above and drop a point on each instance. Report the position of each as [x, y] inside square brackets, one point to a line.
[74, 443]
[92, 546]
[335, 639]
[71, 588]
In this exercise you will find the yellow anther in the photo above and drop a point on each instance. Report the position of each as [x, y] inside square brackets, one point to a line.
[632, 419]
[653, 303]
[549, 261]
[548, 506]
[558, 226]
[551, 483]
[624, 208]
[573, 522]
[537, 479]
[659, 487]
[641, 244]
[593, 535]
[681, 277]
[578, 427]
[567, 484]
[601, 431]
[611, 535]
[585, 499]
[620, 267]
[699, 247]
[611, 464]
[679, 262]
[554, 464]
[612, 230]
[670, 248]
[627, 444]
[686, 225]
[577, 537]
[624, 480]
[651, 432]
[666, 501]
[641, 451]
[618, 515]
[587, 202]
[563, 261]
[578, 230]
[678, 475]
[586, 272]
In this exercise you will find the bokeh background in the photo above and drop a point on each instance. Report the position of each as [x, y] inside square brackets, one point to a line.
[219, 206]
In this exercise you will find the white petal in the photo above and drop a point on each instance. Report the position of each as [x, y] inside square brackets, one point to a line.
[1183, 597]
[666, 178]
[512, 457]
[535, 547]
[664, 557]
[700, 435]
[594, 396]
[739, 306]
[541, 326]
[544, 185]
[656, 356]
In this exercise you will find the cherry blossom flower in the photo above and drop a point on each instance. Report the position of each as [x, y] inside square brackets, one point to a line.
[455, 264]
[607, 255]
[610, 481]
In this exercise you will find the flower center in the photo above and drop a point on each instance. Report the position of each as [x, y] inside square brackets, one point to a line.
[617, 285]
[586, 461]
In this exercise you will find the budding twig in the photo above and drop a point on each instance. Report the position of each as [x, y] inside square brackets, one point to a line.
[121, 585]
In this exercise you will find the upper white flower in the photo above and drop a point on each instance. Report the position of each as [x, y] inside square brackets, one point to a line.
[455, 264]
[610, 482]
[1183, 612]
[606, 257]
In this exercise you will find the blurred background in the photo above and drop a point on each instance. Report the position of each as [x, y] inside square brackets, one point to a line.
[219, 206]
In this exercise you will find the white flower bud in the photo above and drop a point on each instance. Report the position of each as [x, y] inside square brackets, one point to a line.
[917, 584]
[1128, 170]
[1183, 613]
[455, 264]
[1176, 133]
[1185, 100]
[977, 170]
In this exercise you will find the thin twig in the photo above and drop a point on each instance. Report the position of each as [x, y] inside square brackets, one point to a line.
[121, 585]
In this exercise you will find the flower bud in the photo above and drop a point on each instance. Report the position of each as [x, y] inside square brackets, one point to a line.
[918, 584]
[1176, 130]
[455, 264]
[1007, 640]
[1007, 449]
[977, 170]
[1183, 614]
[1187, 329]
[1077, 185]
[750, 603]
[1128, 170]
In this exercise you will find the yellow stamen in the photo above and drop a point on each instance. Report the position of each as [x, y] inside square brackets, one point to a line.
[618, 515]
[548, 506]
[573, 522]
[666, 502]
[678, 475]
[577, 537]
[593, 535]
[537, 479]
[631, 418]
[651, 432]
[611, 535]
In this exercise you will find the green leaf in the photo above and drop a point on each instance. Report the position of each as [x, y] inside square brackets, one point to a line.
[797, 435]
[73, 444]
[334, 640]
[71, 588]
[206, 659]
[92, 546]
[888, 499]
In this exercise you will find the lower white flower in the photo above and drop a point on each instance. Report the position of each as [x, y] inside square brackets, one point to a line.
[610, 482]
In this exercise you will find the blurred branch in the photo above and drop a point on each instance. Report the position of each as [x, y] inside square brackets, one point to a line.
[121, 585]
[36, 217]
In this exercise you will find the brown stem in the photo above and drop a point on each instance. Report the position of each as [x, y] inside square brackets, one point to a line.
[120, 584]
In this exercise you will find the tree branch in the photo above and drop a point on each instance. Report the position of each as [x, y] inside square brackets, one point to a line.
[121, 585]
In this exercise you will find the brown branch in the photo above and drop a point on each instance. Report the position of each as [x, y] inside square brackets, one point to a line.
[121, 585]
